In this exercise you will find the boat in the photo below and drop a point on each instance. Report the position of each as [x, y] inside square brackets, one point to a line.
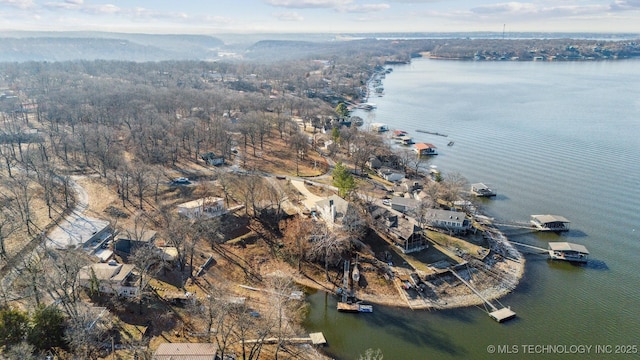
[482, 190]
[355, 274]
[450, 143]
[567, 251]
[553, 223]
[365, 308]
[431, 133]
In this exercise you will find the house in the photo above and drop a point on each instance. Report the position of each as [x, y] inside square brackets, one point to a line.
[453, 221]
[406, 234]
[403, 204]
[205, 207]
[390, 175]
[423, 149]
[379, 161]
[129, 240]
[332, 210]
[186, 351]
[112, 278]
[212, 159]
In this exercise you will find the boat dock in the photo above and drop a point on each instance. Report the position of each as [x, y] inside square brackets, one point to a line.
[565, 251]
[313, 338]
[500, 315]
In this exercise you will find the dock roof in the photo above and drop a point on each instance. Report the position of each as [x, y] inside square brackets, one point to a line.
[567, 246]
[422, 146]
[545, 219]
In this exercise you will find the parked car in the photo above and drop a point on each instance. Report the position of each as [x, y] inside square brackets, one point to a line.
[181, 181]
[386, 202]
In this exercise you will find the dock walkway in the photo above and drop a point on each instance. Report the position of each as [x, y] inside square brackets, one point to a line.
[499, 315]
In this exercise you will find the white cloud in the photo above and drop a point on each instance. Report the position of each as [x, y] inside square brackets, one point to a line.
[308, 4]
[21, 4]
[366, 8]
[75, 2]
[289, 16]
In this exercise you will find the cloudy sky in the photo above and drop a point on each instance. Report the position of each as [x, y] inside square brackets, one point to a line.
[335, 16]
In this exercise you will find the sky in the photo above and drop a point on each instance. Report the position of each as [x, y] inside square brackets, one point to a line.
[320, 16]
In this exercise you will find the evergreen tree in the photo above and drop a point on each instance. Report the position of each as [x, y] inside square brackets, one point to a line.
[47, 328]
[343, 180]
[342, 110]
[13, 327]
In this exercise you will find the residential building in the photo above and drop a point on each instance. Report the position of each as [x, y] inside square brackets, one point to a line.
[112, 278]
[453, 221]
[204, 207]
[404, 205]
[130, 239]
[332, 210]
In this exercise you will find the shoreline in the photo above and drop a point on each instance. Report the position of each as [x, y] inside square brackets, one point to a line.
[511, 266]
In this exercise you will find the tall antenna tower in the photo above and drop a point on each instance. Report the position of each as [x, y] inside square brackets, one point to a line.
[503, 26]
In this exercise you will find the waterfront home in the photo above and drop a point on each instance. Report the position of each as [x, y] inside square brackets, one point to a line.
[550, 223]
[111, 278]
[453, 221]
[205, 207]
[390, 174]
[424, 149]
[406, 234]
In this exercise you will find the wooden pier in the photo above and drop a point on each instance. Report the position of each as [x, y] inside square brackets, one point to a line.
[499, 315]
[313, 338]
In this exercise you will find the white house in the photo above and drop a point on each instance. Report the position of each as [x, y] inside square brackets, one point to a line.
[449, 220]
[112, 278]
[207, 207]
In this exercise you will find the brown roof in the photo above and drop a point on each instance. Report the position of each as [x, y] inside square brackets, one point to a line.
[422, 146]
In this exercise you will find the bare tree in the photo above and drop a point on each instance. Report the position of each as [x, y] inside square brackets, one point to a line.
[8, 223]
[327, 246]
[146, 259]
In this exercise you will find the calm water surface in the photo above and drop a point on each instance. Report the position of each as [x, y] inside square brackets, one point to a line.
[552, 138]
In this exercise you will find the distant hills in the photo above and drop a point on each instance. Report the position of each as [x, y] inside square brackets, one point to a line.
[21, 46]
[64, 46]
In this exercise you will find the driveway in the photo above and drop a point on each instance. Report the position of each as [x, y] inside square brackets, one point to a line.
[310, 199]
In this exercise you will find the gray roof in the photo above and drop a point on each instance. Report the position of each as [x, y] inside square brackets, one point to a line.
[438, 214]
[408, 202]
[567, 246]
[545, 219]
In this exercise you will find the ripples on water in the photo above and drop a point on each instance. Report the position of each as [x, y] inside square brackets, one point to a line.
[557, 138]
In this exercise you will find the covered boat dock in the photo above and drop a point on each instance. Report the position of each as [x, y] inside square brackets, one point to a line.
[555, 223]
[568, 251]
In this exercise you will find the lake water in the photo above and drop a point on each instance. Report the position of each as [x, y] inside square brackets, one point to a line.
[551, 138]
